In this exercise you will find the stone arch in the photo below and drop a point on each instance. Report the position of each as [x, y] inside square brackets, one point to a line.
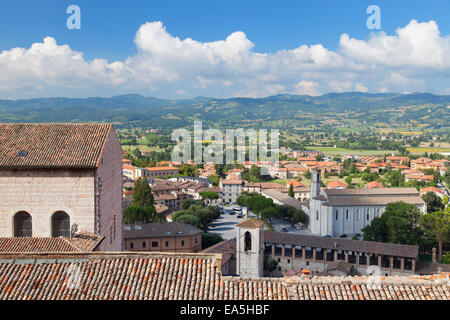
[23, 224]
[247, 241]
[60, 224]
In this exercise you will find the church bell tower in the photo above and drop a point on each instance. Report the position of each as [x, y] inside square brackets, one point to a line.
[315, 182]
[250, 248]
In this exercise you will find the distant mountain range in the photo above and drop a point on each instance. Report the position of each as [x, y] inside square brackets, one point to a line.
[139, 110]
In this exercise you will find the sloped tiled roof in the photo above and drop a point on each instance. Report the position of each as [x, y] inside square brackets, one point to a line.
[169, 276]
[162, 168]
[432, 189]
[370, 192]
[166, 229]
[295, 183]
[251, 223]
[374, 185]
[372, 201]
[284, 198]
[229, 181]
[52, 145]
[369, 288]
[36, 244]
[336, 184]
[391, 249]
[83, 242]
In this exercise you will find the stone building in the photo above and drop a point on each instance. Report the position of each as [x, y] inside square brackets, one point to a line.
[316, 255]
[54, 177]
[250, 248]
[163, 172]
[231, 189]
[162, 237]
[336, 212]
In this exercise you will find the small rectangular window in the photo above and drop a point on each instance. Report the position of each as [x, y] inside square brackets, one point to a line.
[167, 243]
[182, 243]
[154, 244]
[131, 245]
[143, 244]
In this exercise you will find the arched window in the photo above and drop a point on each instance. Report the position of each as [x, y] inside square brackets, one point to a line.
[247, 241]
[60, 224]
[23, 225]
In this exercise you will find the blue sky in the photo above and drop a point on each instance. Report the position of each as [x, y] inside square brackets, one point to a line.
[270, 28]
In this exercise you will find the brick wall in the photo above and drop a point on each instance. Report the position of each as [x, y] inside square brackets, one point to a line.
[174, 244]
[109, 184]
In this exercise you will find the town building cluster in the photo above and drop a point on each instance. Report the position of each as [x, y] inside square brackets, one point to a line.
[63, 189]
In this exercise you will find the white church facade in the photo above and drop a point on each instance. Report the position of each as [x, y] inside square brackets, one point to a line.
[335, 212]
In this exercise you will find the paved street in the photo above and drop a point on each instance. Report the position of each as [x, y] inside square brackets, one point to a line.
[279, 224]
[226, 226]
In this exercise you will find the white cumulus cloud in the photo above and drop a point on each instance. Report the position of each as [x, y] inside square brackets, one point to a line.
[166, 65]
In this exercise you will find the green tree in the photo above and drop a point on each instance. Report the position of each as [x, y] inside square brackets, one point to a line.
[299, 216]
[210, 239]
[307, 174]
[437, 224]
[215, 179]
[286, 211]
[209, 195]
[348, 180]
[257, 203]
[446, 258]
[376, 231]
[291, 190]
[402, 223]
[189, 219]
[269, 213]
[434, 203]
[270, 264]
[447, 176]
[398, 224]
[134, 214]
[142, 196]
[395, 178]
[242, 200]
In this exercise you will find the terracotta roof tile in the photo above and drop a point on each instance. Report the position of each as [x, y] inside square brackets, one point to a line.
[168, 276]
[374, 185]
[52, 145]
[251, 223]
[336, 184]
[83, 242]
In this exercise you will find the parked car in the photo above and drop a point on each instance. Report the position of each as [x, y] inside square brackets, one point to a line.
[284, 230]
[327, 236]
[343, 236]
